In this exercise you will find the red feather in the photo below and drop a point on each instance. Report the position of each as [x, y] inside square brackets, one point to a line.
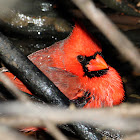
[59, 63]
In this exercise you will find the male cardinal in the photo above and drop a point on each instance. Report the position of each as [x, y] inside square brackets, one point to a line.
[77, 68]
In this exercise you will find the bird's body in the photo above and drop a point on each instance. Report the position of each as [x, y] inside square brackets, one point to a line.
[77, 68]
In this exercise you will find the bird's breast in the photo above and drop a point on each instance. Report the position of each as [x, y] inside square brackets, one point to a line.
[106, 90]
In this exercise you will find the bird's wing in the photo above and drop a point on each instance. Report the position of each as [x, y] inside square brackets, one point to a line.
[67, 83]
[45, 60]
[48, 57]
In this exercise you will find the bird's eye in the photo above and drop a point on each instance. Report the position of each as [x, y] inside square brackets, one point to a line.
[80, 58]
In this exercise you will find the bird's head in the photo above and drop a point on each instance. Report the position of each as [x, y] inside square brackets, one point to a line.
[82, 55]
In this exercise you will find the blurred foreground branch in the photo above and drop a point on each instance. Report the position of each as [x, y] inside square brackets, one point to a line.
[121, 42]
[7, 133]
[6, 6]
[125, 117]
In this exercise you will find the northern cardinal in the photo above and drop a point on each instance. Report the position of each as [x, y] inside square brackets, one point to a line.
[77, 68]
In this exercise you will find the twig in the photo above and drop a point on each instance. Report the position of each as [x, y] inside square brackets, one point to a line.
[125, 117]
[54, 131]
[122, 44]
[21, 121]
[135, 136]
[6, 6]
[7, 133]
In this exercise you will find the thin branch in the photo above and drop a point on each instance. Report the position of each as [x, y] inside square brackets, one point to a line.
[125, 117]
[121, 42]
[7, 133]
[54, 131]
[135, 136]
[21, 121]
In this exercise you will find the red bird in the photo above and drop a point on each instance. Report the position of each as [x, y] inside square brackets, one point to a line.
[77, 68]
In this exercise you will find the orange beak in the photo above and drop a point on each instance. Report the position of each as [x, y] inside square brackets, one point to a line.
[97, 64]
